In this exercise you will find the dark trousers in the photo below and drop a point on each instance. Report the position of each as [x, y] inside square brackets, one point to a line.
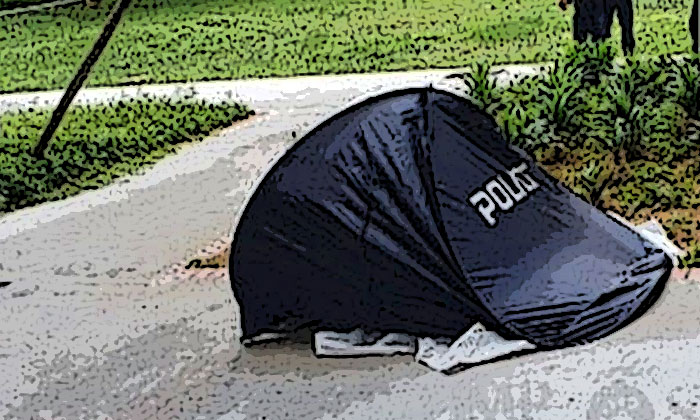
[694, 26]
[593, 20]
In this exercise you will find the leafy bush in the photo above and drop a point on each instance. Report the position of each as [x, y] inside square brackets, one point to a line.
[481, 86]
[556, 106]
[638, 91]
[522, 115]
[97, 143]
[588, 61]
[572, 85]
[688, 80]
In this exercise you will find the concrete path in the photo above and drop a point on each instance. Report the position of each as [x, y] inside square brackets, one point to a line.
[103, 319]
[264, 92]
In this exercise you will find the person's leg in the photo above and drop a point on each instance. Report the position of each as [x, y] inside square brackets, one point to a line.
[586, 18]
[607, 17]
[694, 27]
[625, 13]
[601, 19]
[579, 35]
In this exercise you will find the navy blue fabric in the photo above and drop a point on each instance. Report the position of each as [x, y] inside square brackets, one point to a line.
[594, 19]
[367, 223]
[694, 27]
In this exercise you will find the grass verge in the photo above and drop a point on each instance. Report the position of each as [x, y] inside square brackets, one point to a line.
[186, 40]
[98, 143]
[625, 136]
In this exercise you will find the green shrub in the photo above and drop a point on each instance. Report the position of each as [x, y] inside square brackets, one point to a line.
[688, 84]
[521, 115]
[481, 85]
[556, 92]
[571, 85]
[565, 104]
[638, 91]
[589, 61]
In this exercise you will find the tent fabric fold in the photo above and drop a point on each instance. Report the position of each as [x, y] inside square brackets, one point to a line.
[409, 213]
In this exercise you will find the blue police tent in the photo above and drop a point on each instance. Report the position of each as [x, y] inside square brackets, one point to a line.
[410, 213]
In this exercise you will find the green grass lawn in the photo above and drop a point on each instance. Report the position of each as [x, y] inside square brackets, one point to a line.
[186, 40]
[98, 143]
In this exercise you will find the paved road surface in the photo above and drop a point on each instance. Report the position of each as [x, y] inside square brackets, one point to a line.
[104, 320]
